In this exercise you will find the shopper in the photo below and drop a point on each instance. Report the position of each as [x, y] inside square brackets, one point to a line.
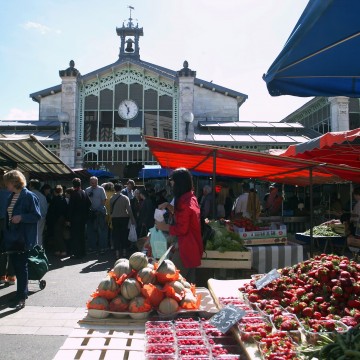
[186, 226]
[96, 224]
[78, 210]
[121, 213]
[20, 233]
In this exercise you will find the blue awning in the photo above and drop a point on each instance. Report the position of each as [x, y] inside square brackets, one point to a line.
[100, 173]
[321, 57]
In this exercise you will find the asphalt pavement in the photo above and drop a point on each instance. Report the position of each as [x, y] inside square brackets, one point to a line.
[51, 314]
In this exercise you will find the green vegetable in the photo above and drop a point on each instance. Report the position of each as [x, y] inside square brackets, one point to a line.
[322, 230]
[343, 347]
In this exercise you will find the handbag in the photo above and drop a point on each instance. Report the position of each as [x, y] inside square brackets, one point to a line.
[132, 233]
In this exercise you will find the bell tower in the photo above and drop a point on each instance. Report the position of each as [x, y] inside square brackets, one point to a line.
[129, 38]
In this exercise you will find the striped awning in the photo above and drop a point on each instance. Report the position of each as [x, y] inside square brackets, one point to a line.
[26, 154]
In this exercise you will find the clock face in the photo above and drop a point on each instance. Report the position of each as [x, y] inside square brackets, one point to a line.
[128, 109]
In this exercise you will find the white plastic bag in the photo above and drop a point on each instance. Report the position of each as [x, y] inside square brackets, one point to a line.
[159, 215]
[132, 233]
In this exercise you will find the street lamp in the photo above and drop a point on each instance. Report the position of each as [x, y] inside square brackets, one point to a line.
[64, 119]
[188, 118]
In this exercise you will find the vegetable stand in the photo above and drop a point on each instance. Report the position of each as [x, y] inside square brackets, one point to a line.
[324, 243]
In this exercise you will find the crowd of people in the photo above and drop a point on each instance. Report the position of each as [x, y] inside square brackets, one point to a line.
[79, 220]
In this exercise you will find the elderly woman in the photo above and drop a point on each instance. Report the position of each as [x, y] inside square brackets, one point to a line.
[20, 233]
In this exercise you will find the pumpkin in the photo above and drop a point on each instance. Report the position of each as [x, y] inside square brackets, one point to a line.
[139, 304]
[119, 304]
[120, 260]
[130, 288]
[98, 303]
[138, 261]
[168, 306]
[167, 272]
[122, 268]
[146, 276]
[108, 288]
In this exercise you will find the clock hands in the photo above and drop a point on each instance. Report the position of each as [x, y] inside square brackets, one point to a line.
[127, 108]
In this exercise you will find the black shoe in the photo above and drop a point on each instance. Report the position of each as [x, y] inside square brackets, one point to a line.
[20, 304]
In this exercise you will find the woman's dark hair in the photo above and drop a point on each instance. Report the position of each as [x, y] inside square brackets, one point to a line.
[118, 187]
[182, 182]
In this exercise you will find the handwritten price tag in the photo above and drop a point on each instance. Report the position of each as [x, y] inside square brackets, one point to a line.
[226, 318]
[267, 279]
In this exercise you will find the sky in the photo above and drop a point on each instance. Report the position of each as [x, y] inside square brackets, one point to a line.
[230, 42]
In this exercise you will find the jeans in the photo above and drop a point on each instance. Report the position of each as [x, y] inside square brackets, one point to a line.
[20, 264]
[96, 232]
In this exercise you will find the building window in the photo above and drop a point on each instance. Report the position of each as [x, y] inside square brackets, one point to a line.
[167, 133]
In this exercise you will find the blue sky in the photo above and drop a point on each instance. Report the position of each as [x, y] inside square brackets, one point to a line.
[231, 42]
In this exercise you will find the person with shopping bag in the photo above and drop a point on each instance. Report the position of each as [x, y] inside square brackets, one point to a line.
[121, 213]
[186, 226]
[20, 232]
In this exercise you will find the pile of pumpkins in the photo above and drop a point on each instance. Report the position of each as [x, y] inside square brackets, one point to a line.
[134, 285]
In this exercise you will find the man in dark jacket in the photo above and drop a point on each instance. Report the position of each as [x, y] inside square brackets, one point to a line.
[79, 205]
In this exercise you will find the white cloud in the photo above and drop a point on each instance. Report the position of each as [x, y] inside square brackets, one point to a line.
[42, 29]
[18, 114]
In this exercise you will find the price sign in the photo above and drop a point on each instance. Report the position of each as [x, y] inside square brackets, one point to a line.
[267, 279]
[226, 318]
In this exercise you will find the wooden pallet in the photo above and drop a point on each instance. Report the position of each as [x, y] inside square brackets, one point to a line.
[126, 342]
[226, 260]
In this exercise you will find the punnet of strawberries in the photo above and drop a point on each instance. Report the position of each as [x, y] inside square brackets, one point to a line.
[324, 287]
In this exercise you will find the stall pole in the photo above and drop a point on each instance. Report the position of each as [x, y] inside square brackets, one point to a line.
[311, 212]
[214, 186]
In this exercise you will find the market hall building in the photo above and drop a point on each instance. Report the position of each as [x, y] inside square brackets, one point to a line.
[98, 120]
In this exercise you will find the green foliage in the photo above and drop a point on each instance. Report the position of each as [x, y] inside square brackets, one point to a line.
[224, 240]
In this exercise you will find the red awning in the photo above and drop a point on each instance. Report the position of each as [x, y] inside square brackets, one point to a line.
[246, 164]
[340, 148]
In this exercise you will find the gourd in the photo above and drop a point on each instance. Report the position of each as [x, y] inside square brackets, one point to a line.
[168, 306]
[146, 276]
[177, 286]
[138, 304]
[120, 260]
[138, 261]
[108, 288]
[119, 304]
[98, 303]
[130, 288]
[122, 268]
[189, 300]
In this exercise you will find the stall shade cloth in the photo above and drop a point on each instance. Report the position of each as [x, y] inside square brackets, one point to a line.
[27, 154]
[246, 164]
[340, 148]
[321, 57]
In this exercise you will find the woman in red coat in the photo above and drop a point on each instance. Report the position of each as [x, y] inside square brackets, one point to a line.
[186, 226]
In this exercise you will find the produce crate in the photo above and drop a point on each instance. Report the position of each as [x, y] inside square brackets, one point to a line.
[266, 241]
[262, 234]
[226, 260]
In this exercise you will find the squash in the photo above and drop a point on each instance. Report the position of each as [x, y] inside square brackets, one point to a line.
[108, 288]
[139, 304]
[168, 306]
[190, 301]
[121, 268]
[120, 260]
[166, 272]
[153, 293]
[98, 303]
[138, 261]
[130, 288]
[146, 276]
[119, 304]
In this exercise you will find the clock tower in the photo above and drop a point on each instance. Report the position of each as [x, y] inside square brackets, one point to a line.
[129, 39]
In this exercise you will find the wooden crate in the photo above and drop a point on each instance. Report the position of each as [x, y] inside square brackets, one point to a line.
[226, 260]
[266, 241]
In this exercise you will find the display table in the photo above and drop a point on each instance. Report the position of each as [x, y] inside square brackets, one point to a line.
[266, 258]
[324, 243]
[293, 224]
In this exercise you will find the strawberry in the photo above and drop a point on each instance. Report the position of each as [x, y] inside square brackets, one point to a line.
[307, 312]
